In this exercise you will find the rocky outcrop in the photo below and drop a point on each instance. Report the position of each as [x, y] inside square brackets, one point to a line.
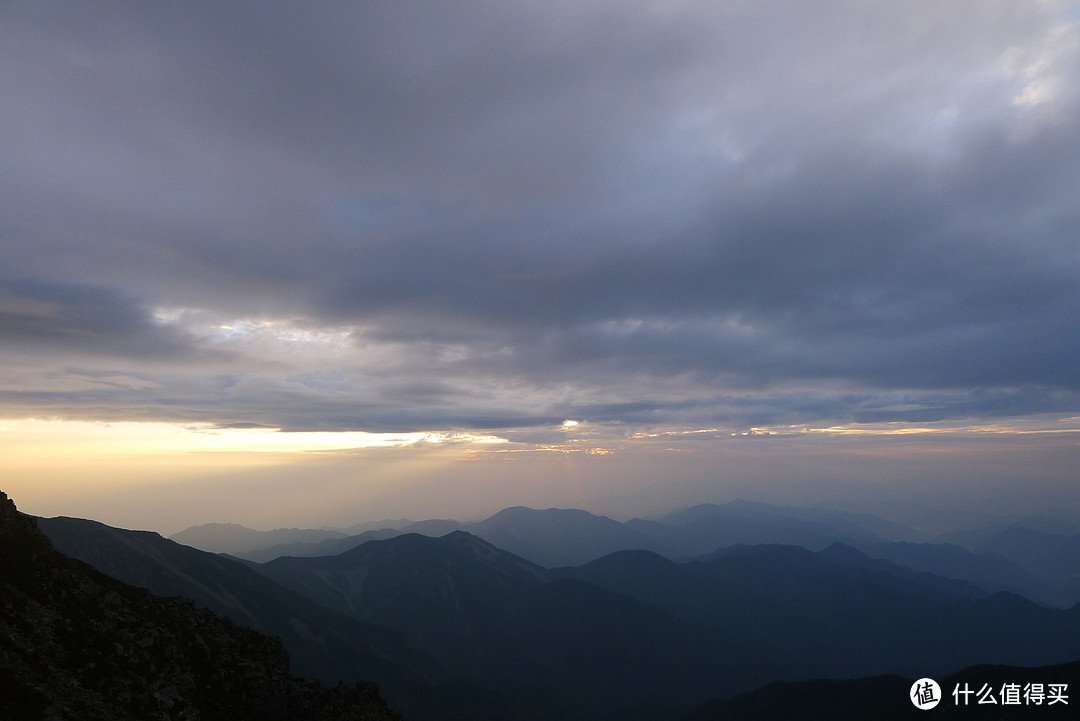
[75, 644]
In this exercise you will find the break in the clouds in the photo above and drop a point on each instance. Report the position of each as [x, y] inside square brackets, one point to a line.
[397, 216]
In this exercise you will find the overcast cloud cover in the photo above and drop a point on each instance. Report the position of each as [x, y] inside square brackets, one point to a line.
[652, 217]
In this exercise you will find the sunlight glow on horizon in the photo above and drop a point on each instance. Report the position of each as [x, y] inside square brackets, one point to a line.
[74, 438]
[168, 476]
[133, 437]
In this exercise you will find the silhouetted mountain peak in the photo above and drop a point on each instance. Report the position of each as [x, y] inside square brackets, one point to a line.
[465, 537]
[476, 547]
[453, 552]
[843, 553]
[520, 514]
[624, 560]
[230, 531]
[413, 543]
[558, 536]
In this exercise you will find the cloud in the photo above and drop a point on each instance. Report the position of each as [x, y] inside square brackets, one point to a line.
[396, 216]
[82, 319]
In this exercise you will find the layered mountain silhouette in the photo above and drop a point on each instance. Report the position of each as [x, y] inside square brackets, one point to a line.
[457, 627]
[989, 569]
[237, 540]
[840, 613]
[1038, 562]
[1054, 557]
[777, 611]
[489, 614]
[326, 547]
[77, 644]
[569, 537]
[322, 644]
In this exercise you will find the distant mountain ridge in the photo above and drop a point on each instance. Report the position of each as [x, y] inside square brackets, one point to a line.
[855, 524]
[327, 547]
[236, 540]
[989, 570]
[1037, 564]
[567, 537]
[1052, 558]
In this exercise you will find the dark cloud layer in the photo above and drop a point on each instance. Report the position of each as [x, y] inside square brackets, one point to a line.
[396, 215]
[83, 319]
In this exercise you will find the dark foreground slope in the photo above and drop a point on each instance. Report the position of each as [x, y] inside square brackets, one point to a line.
[885, 698]
[75, 644]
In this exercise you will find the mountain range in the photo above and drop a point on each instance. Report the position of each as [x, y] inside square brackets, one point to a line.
[457, 627]
[1037, 561]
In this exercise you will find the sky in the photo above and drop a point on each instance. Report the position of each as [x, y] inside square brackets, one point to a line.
[294, 264]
